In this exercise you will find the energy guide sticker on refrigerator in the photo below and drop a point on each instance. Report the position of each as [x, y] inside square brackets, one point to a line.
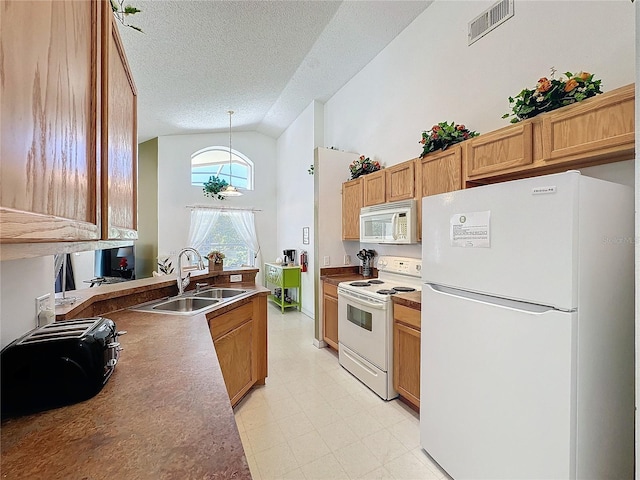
[527, 337]
[471, 229]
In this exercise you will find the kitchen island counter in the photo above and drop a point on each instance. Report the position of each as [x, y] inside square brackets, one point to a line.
[164, 413]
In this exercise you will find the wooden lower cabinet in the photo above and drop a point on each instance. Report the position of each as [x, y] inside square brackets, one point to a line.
[240, 340]
[330, 314]
[406, 353]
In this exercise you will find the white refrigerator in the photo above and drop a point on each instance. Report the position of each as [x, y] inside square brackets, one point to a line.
[527, 339]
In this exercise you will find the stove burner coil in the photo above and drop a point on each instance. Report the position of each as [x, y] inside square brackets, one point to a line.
[376, 282]
[386, 292]
[404, 289]
[360, 284]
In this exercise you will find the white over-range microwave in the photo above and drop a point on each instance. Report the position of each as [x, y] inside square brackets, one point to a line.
[393, 222]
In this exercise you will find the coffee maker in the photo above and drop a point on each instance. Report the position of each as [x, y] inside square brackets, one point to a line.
[289, 257]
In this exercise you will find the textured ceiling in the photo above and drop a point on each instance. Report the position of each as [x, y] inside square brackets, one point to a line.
[267, 60]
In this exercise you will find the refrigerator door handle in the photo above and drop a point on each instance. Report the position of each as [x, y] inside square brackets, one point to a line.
[498, 301]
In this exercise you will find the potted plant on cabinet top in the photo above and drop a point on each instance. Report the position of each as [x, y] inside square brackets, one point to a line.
[550, 94]
[443, 135]
[363, 166]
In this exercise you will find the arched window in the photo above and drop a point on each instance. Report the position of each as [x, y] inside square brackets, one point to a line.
[214, 161]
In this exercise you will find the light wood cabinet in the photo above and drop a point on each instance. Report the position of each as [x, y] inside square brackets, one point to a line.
[240, 340]
[49, 115]
[374, 187]
[599, 128]
[437, 172]
[595, 131]
[68, 141]
[406, 353]
[500, 150]
[119, 133]
[400, 181]
[330, 314]
[390, 184]
[352, 202]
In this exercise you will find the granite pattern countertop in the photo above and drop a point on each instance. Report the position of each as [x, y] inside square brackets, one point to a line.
[163, 414]
[411, 300]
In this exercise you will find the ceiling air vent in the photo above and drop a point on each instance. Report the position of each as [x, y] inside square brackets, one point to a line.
[495, 15]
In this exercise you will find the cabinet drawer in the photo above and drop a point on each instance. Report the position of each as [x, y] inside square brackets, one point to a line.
[407, 316]
[330, 289]
[226, 322]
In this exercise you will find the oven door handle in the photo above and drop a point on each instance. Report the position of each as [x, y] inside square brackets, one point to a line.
[361, 301]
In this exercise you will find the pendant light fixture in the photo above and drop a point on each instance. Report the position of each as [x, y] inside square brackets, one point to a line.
[230, 190]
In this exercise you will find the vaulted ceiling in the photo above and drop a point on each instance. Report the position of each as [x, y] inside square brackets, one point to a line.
[266, 60]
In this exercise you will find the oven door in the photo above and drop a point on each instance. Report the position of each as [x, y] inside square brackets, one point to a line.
[363, 326]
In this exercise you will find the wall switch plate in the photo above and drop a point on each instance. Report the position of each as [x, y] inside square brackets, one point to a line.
[347, 259]
[326, 261]
[235, 278]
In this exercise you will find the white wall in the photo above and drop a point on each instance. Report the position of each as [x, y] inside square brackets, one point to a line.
[428, 74]
[21, 282]
[295, 188]
[146, 247]
[175, 191]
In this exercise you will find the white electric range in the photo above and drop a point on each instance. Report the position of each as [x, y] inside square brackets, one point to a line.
[365, 321]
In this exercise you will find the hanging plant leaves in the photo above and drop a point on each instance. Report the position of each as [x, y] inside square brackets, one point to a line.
[213, 186]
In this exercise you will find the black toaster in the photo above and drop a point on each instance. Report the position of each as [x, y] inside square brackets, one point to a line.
[57, 364]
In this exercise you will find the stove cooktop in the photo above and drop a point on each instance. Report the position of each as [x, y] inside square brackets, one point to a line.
[395, 275]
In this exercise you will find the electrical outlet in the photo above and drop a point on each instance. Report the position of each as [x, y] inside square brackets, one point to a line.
[326, 261]
[235, 278]
[347, 259]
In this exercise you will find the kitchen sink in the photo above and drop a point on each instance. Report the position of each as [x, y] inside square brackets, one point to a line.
[190, 303]
[186, 304]
[220, 293]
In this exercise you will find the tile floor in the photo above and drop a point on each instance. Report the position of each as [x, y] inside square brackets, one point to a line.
[313, 420]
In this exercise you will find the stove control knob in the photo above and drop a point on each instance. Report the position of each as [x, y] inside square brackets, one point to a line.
[418, 267]
[382, 262]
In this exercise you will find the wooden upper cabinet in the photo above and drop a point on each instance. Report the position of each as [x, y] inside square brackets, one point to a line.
[352, 199]
[400, 181]
[374, 188]
[49, 113]
[437, 172]
[595, 131]
[600, 127]
[119, 132]
[500, 150]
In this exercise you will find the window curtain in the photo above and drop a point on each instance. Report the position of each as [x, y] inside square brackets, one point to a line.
[245, 224]
[202, 221]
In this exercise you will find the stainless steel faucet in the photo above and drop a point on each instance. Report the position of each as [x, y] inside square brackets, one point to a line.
[184, 282]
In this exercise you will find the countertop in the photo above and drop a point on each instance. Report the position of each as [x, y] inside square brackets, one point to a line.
[411, 300]
[163, 414]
